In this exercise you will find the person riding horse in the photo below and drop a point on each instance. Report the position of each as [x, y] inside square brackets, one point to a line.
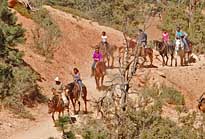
[183, 36]
[104, 39]
[58, 89]
[77, 78]
[97, 56]
[142, 41]
[165, 37]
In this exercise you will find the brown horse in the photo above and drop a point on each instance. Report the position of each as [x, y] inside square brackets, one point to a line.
[108, 53]
[54, 105]
[100, 71]
[188, 52]
[148, 52]
[73, 91]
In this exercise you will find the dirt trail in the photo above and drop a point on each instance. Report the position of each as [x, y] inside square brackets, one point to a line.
[74, 50]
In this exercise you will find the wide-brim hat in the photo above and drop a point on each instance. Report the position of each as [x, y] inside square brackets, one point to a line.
[57, 79]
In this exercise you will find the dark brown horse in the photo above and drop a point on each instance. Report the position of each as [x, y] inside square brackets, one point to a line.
[73, 91]
[164, 50]
[100, 71]
[56, 105]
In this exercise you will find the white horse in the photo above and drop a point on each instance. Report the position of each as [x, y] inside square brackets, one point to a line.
[179, 50]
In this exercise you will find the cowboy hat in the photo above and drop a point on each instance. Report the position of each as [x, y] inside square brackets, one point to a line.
[57, 79]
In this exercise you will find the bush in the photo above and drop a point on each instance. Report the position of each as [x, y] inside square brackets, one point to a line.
[46, 34]
[172, 96]
[108, 12]
[17, 79]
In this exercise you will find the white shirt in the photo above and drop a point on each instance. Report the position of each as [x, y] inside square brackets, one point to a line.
[104, 39]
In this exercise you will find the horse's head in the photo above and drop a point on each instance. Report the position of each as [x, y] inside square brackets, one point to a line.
[50, 106]
[70, 87]
[201, 105]
[157, 44]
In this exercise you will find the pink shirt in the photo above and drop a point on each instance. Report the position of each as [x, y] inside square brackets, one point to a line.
[97, 56]
[165, 36]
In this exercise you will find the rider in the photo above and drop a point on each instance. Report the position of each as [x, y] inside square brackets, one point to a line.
[142, 41]
[183, 36]
[165, 37]
[77, 79]
[57, 88]
[97, 56]
[104, 39]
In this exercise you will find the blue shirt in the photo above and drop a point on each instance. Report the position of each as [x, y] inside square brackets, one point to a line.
[179, 34]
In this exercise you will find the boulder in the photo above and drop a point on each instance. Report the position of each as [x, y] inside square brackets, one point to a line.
[193, 58]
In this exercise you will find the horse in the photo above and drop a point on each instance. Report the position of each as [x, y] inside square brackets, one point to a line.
[107, 51]
[188, 52]
[148, 52]
[100, 71]
[179, 50]
[201, 103]
[56, 105]
[164, 50]
[73, 92]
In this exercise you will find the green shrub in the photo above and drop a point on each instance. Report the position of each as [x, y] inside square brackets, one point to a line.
[172, 96]
[17, 79]
[44, 42]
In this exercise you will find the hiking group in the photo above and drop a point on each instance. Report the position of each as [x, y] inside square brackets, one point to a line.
[63, 94]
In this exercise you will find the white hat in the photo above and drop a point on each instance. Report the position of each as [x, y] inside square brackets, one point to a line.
[57, 79]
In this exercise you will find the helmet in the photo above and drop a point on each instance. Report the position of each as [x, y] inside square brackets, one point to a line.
[57, 79]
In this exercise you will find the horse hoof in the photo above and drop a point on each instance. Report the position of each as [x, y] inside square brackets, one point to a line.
[85, 112]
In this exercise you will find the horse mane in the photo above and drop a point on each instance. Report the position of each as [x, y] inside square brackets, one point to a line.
[70, 86]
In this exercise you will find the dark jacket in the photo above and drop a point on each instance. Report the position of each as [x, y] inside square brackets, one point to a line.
[142, 37]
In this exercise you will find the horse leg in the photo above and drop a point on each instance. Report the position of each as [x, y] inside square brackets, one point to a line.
[182, 58]
[75, 108]
[85, 101]
[97, 82]
[172, 57]
[151, 59]
[175, 57]
[78, 106]
[145, 59]
[102, 79]
[163, 61]
[112, 61]
[108, 61]
[53, 116]
[166, 63]
[73, 105]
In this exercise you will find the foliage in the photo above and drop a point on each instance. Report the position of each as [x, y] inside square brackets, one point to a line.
[144, 122]
[109, 12]
[62, 125]
[46, 33]
[16, 78]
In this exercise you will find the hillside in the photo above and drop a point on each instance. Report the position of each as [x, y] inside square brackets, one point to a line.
[75, 50]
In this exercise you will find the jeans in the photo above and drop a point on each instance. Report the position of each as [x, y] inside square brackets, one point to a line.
[94, 64]
[80, 84]
[185, 43]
